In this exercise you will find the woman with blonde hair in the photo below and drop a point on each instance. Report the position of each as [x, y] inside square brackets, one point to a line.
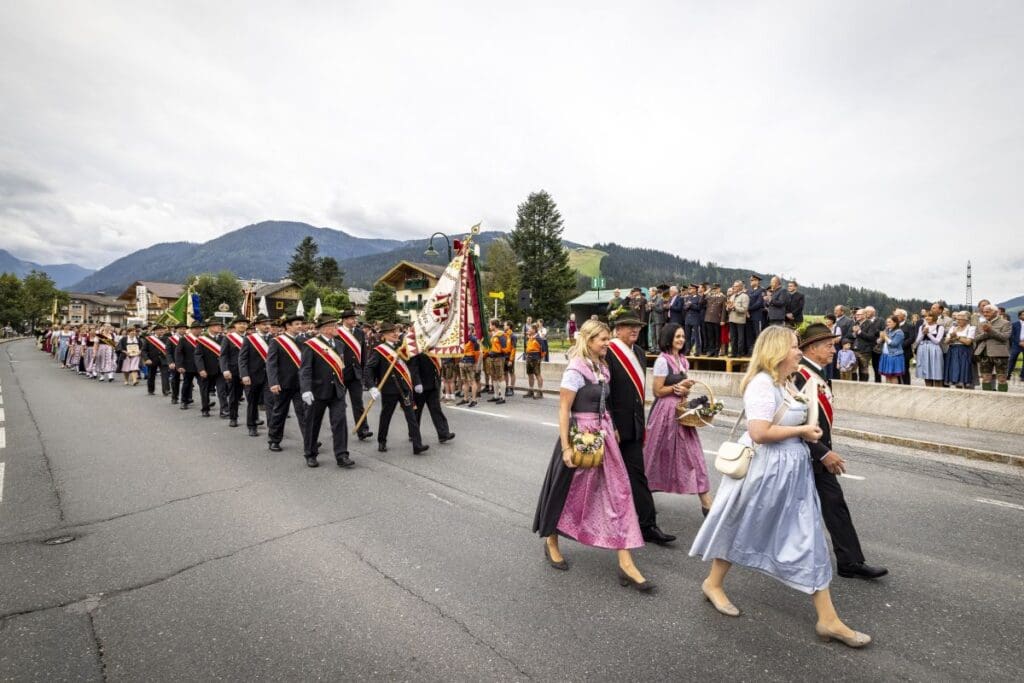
[594, 506]
[770, 520]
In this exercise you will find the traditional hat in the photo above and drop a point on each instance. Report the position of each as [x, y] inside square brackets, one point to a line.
[627, 321]
[214, 321]
[291, 319]
[260, 318]
[815, 332]
[347, 313]
[195, 324]
[324, 320]
[755, 276]
[388, 327]
[240, 319]
[159, 326]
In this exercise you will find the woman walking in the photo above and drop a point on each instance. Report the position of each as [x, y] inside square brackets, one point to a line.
[891, 364]
[130, 351]
[593, 506]
[930, 336]
[673, 454]
[104, 358]
[770, 520]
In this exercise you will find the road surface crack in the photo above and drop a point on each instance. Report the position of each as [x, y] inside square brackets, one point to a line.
[178, 572]
[444, 615]
[100, 654]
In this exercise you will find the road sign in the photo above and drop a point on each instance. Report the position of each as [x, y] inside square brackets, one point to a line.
[497, 295]
[597, 283]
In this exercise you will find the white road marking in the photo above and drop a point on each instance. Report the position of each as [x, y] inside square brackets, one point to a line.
[1000, 503]
[3, 437]
[1, 482]
[1, 415]
[480, 412]
[551, 424]
[852, 476]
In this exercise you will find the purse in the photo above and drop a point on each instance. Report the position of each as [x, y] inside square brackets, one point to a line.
[733, 458]
[585, 461]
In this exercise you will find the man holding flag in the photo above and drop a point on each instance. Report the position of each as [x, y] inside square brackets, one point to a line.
[321, 380]
[398, 382]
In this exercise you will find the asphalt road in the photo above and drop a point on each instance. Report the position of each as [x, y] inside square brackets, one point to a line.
[200, 555]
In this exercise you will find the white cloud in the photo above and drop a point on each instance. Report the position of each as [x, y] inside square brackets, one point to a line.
[870, 143]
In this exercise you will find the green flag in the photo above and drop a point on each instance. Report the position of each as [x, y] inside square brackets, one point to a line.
[176, 314]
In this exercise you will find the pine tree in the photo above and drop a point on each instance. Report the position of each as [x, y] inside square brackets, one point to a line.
[544, 269]
[328, 274]
[382, 304]
[302, 269]
[503, 275]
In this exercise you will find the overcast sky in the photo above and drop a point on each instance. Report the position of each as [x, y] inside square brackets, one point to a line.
[874, 143]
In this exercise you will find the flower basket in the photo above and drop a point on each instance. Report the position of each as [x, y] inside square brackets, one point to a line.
[587, 448]
[702, 415]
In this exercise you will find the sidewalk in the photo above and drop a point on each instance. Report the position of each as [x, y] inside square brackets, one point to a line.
[977, 444]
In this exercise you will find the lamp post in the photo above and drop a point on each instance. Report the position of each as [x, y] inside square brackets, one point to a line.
[433, 252]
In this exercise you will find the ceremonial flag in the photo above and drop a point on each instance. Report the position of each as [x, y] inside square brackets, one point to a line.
[178, 311]
[452, 309]
[318, 310]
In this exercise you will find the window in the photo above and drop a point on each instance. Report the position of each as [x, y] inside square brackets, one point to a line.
[279, 305]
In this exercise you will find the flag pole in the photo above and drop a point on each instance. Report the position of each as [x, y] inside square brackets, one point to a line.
[366, 410]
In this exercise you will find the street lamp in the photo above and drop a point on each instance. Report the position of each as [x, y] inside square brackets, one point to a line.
[433, 252]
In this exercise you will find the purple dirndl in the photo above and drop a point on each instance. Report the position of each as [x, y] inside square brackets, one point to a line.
[673, 454]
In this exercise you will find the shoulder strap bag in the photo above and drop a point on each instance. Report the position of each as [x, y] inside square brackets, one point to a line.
[733, 458]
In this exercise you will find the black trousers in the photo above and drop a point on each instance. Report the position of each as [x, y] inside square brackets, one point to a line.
[711, 339]
[837, 517]
[388, 402]
[278, 414]
[205, 385]
[875, 358]
[355, 399]
[175, 385]
[151, 379]
[187, 382]
[432, 400]
[754, 328]
[339, 425]
[633, 456]
[221, 386]
[738, 339]
[233, 390]
[255, 396]
[693, 336]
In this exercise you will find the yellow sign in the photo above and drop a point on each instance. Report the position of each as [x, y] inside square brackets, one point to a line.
[497, 295]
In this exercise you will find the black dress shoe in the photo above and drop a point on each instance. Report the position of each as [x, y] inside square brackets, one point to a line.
[174, 401]
[253, 431]
[233, 423]
[657, 536]
[345, 461]
[205, 413]
[563, 565]
[421, 449]
[276, 447]
[311, 461]
[642, 586]
[447, 437]
[259, 422]
[365, 435]
[382, 447]
[861, 571]
[224, 416]
[184, 406]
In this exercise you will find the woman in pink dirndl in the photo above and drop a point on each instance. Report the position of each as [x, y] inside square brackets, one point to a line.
[592, 506]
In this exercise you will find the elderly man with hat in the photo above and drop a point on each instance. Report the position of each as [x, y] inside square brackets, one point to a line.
[155, 359]
[185, 360]
[397, 390]
[173, 338]
[353, 350]
[322, 383]
[252, 372]
[627, 364]
[230, 349]
[208, 362]
[818, 345]
[284, 358]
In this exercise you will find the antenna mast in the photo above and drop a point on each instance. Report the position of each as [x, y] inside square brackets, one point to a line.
[969, 295]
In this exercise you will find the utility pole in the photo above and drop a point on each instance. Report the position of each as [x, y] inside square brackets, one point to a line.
[969, 294]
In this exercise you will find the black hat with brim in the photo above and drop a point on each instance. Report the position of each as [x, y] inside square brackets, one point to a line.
[755, 276]
[347, 313]
[260, 318]
[325, 320]
[627, 321]
[195, 325]
[292, 319]
[816, 332]
[388, 327]
[215, 321]
[240, 319]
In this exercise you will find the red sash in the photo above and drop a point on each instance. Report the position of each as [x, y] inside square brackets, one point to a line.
[259, 344]
[210, 344]
[400, 367]
[352, 343]
[236, 339]
[329, 355]
[823, 400]
[157, 343]
[174, 339]
[289, 346]
[436, 361]
[631, 371]
[191, 340]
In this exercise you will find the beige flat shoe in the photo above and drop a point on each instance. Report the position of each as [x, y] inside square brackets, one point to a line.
[726, 608]
[856, 641]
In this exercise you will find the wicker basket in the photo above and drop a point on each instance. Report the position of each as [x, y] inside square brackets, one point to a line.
[586, 461]
[693, 419]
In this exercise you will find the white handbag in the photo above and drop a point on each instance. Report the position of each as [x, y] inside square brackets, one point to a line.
[733, 458]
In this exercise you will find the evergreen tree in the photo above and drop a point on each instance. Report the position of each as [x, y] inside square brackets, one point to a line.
[337, 300]
[214, 290]
[502, 275]
[329, 275]
[302, 269]
[37, 294]
[382, 304]
[310, 293]
[544, 269]
[10, 301]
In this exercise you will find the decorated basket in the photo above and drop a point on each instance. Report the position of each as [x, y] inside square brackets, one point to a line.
[701, 416]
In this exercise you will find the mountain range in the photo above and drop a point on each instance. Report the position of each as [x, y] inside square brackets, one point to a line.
[63, 274]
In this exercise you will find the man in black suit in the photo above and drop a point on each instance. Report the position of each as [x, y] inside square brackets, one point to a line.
[284, 358]
[777, 302]
[172, 342]
[429, 369]
[674, 307]
[230, 350]
[794, 305]
[402, 383]
[756, 309]
[252, 371]
[693, 321]
[352, 341]
[321, 381]
[818, 346]
[155, 358]
[185, 362]
[208, 362]
[628, 366]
